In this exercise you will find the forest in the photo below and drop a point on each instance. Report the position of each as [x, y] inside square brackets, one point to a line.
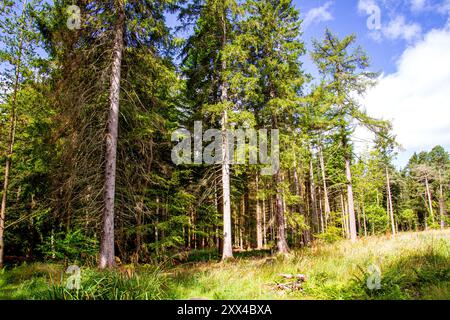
[95, 98]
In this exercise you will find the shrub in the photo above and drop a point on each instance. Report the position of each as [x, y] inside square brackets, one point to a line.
[72, 245]
[332, 234]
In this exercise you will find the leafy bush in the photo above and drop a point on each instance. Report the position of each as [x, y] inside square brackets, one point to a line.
[377, 218]
[332, 234]
[408, 217]
[72, 245]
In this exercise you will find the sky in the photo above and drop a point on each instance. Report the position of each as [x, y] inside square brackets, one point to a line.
[409, 43]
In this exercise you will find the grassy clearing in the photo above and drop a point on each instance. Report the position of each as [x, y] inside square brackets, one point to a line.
[413, 266]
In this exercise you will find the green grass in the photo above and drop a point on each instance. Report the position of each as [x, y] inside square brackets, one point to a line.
[413, 266]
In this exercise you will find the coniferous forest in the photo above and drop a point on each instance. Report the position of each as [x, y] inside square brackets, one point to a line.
[105, 118]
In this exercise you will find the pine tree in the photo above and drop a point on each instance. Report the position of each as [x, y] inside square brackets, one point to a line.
[207, 70]
[344, 73]
[271, 33]
[17, 54]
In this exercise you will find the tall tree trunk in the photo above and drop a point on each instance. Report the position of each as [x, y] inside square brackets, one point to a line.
[391, 210]
[442, 213]
[430, 201]
[364, 218]
[242, 223]
[216, 202]
[11, 136]
[351, 206]
[227, 240]
[279, 210]
[298, 192]
[281, 226]
[344, 216]
[264, 222]
[325, 188]
[312, 187]
[107, 257]
[259, 235]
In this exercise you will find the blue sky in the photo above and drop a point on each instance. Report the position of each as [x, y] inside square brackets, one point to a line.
[409, 43]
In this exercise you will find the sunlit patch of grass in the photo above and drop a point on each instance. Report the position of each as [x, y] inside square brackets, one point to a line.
[147, 284]
[41, 281]
[413, 266]
[28, 281]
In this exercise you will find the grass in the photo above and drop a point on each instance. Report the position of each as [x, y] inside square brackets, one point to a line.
[413, 266]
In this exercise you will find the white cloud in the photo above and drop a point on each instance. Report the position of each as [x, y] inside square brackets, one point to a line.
[444, 7]
[441, 6]
[418, 5]
[366, 6]
[319, 14]
[398, 28]
[416, 98]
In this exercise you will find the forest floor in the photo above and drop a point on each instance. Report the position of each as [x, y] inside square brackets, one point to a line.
[411, 265]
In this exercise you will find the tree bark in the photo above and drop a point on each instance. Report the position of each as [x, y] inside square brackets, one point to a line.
[351, 206]
[391, 210]
[312, 187]
[259, 235]
[279, 210]
[281, 227]
[325, 188]
[442, 212]
[241, 223]
[107, 257]
[11, 138]
[364, 218]
[264, 222]
[227, 240]
[430, 203]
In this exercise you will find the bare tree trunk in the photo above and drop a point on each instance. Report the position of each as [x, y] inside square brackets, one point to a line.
[325, 188]
[227, 245]
[271, 219]
[391, 210]
[281, 227]
[227, 240]
[312, 190]
[241, 224]
[322, 224]
[259, 236]
[430, 203]
[216, 202]
[107, 257]
[264, 222]
[351, 206]
[298, 193]
[442, 213]
[279, 210]
[344, 218]
[364, 217]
